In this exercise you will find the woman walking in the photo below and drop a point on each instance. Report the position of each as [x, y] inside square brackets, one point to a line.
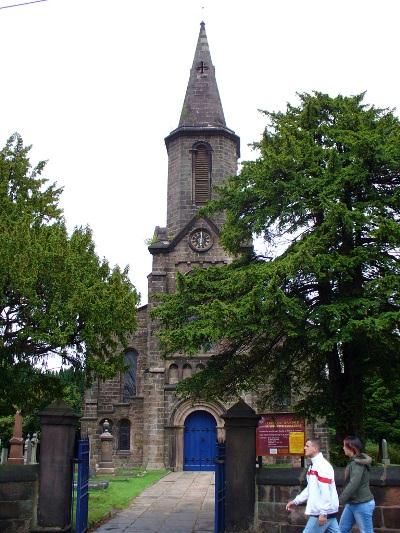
[356, 496]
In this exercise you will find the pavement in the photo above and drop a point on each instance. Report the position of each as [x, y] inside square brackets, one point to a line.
[181, 502]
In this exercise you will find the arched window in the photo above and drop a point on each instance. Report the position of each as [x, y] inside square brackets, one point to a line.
[173, 376]
[186, 371]
[201, 173]
[199, 367]
[129, 387]
[124, 435]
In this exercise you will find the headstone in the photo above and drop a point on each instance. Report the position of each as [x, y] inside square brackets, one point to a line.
[106, 465]
[4, 456]
[385, 454]
[28, 450]
[16, 455]
[34, 442]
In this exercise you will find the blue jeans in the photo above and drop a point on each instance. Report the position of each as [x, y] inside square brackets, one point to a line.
[357, 513]
[313, 526]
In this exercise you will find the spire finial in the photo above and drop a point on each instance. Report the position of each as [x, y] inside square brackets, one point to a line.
[202, 106]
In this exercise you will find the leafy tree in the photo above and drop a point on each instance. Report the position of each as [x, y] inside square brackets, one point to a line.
[34, 390]
[57, 298]
[382, 408]
[322, 316]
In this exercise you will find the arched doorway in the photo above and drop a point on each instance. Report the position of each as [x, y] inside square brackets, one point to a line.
[200, 437]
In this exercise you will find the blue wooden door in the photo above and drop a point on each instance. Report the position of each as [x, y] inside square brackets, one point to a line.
[200, 441]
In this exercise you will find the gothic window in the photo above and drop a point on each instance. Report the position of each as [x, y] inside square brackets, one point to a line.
[201, 171]
[186, 371]
[124, 435]
[129, 386]
[173, 376]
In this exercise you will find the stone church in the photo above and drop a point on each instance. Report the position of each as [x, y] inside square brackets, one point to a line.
[150, 425]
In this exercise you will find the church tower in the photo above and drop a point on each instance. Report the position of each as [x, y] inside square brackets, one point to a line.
[150, 425]
[202, 151]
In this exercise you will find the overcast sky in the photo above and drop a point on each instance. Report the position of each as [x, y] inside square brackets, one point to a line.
[96, 85]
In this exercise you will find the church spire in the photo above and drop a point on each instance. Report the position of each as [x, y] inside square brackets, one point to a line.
[202, 106]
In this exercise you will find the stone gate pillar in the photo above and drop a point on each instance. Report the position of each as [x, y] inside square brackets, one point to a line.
[58, 423]
[240, 427]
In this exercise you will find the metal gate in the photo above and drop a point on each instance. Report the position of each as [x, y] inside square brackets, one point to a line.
[219, 516]
[81, 501]
[199, 441]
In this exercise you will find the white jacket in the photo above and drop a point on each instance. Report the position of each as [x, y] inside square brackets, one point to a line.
[320, 493]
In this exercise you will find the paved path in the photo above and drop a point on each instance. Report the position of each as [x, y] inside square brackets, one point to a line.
[181, 502]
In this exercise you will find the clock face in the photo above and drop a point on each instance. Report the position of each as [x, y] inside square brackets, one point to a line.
[200, 240]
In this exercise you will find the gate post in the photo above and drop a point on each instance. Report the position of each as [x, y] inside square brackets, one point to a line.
[58, 422]
[219, 496]
[240, 425]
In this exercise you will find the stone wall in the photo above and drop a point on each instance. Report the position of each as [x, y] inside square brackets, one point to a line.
[276, 486]
[18, 497]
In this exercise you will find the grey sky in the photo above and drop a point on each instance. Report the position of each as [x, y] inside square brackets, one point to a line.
[96, 85]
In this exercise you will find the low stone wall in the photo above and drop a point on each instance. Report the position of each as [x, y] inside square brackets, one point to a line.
[276, 486]
[18, 497]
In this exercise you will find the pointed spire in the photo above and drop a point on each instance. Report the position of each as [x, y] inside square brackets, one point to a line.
[202, 106]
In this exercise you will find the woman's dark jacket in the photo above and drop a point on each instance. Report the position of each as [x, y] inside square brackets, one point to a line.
[356, 486]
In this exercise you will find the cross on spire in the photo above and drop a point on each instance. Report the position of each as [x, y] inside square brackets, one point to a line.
[201, 67]
[202, 106]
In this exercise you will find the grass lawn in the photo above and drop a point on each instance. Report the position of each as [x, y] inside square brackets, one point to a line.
[125, 485]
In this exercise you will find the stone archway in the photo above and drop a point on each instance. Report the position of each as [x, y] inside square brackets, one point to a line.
[177, 425]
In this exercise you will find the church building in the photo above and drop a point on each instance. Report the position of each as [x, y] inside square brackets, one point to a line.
[151, 426]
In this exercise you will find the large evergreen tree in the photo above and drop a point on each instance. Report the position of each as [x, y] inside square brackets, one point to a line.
[321, 316]
[57, 298]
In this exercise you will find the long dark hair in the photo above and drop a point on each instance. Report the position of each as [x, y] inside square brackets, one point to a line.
[354, 444]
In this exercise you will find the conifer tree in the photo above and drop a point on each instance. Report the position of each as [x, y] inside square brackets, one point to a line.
[320, 316]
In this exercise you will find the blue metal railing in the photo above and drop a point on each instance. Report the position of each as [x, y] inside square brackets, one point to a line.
[81, 501]
[219, 516]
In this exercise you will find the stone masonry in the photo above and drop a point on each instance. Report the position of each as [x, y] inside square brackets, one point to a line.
[148, 428]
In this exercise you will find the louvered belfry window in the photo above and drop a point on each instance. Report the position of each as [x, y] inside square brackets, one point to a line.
[201, 174]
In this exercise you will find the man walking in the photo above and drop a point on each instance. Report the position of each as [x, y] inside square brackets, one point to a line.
[320, 493]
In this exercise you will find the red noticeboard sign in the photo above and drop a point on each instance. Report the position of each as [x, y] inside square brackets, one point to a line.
[280, 434]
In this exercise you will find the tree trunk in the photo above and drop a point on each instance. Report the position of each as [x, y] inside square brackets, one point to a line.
[350, 403]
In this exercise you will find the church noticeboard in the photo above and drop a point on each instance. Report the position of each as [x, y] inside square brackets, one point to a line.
[280, 434]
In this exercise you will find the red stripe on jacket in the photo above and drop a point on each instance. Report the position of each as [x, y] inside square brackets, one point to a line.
[320, 478]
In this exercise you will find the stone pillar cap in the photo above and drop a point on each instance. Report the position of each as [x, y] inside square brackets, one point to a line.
[59, 412]
[58, 407]
[240, 410]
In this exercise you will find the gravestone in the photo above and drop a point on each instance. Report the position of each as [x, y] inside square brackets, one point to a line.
[106, 465]
[16, 455]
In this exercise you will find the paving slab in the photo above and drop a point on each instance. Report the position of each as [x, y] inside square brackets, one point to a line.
[181, 502]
